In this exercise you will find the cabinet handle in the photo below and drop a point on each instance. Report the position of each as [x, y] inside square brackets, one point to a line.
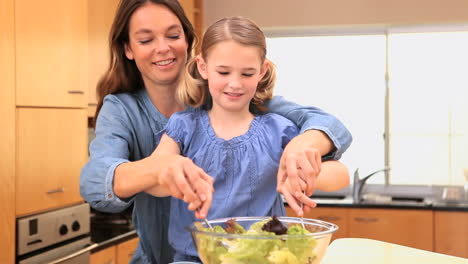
[81, 252]
[329, 218]
[59, 190]
[75, 92]
[366, 219]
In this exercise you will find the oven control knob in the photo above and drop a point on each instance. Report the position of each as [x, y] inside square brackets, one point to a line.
[76, 226]
[63, 230]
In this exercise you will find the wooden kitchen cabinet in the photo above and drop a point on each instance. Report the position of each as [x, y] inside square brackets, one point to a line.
[105, 256]
[51, 53]
[7, 132]
[100, 17]
[412, 228]
[194, 11]
[337, 216]
[126, 250]
[51, 150]
[119, 254]
[451, 233]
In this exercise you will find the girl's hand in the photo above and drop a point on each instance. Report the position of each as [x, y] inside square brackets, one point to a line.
[300, 155]
[186, 181]
[296, 200]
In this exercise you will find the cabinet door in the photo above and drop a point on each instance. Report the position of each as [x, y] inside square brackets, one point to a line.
[411, 228]
[105, 256]
[337, 216]
[51, 150]
[51, 53]
[100, 16]
[126, 250]
[189, 8]
[451, 233]
[7, 131]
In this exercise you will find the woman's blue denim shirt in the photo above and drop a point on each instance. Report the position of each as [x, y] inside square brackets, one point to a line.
[128, 129]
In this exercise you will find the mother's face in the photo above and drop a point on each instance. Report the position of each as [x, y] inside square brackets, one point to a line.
[157, 43]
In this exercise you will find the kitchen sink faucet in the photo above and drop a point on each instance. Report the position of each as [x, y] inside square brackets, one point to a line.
[358, 183]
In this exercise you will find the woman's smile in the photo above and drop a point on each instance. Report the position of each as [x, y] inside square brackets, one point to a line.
[164, 62]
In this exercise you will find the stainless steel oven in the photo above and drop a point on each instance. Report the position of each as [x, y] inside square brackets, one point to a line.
[57, 237]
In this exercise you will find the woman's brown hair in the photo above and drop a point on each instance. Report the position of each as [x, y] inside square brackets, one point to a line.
[122, 74]
[193, 90]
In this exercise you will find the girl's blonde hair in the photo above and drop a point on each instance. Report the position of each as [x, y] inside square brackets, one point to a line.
[193, 89]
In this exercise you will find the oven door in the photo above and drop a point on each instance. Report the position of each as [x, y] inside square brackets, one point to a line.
[76, 252]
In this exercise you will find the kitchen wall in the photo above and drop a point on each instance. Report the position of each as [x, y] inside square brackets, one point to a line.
[304, 13]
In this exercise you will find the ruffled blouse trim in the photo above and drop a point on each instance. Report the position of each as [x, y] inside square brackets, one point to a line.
[235, 141]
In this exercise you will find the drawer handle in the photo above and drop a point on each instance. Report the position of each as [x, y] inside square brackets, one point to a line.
[80, 252]
[366, 219]
[329, 218]
[75, 92]
[59, 190]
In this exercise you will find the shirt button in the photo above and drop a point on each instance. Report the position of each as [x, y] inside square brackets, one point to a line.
[109, 196]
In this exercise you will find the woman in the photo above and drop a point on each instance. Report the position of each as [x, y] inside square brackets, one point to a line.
[150, 44]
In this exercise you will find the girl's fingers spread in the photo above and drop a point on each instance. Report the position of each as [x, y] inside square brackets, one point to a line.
[292, 174]
[281, 179]
[205, 207]
[292, 202]
[194, 205]
[315, 165]
[186, 182]
[207, 178]
[302, 181]
[175, 191]
[307, 209]
[203, 188]
[304, 199]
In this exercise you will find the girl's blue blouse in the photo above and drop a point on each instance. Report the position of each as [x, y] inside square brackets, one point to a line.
[127, 129]
[244, 169]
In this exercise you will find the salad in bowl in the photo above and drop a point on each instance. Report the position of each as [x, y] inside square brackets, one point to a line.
[262, 240]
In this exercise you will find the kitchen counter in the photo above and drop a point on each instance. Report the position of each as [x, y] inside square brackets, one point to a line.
[109, 229]
[103, 243]
[392, 196]
[368, 251]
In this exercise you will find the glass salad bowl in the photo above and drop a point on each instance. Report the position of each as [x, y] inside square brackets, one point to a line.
[259, 240]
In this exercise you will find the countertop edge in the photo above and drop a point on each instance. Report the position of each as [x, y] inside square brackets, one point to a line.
[115, 240]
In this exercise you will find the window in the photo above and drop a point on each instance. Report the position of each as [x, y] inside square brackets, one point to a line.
[344, 74]
[428, 113]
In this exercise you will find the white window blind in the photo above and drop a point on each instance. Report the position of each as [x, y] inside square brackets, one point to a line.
[428, 113]
[345, 75]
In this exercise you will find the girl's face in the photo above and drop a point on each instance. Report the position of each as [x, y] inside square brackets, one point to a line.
[157, 44]
[233, 72]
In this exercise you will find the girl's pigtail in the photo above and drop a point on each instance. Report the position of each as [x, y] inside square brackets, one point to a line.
[265, 88]
[191, 90]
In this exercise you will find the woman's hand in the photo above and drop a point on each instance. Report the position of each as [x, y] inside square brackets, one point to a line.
[179, 177]
[302, 154]
[301, 203]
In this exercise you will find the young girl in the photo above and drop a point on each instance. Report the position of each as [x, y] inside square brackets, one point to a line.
[229, 137]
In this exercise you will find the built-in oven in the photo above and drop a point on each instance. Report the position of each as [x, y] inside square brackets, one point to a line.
[57, 237]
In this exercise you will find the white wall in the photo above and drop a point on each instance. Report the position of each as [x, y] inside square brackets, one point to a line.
[306, 13]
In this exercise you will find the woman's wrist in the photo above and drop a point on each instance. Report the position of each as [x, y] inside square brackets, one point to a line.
[316, 139]
[131, 178]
